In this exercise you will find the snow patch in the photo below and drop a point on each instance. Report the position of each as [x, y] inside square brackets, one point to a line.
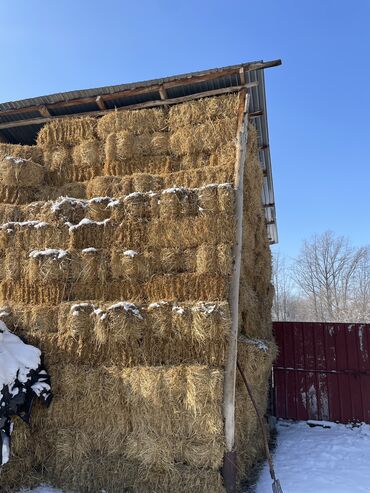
[48, 252]
[128, 307]
[130, 253]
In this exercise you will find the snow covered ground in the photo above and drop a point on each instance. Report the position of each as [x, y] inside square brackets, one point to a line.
[330, 459]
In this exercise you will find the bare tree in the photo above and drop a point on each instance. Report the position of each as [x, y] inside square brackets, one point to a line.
[286, 304]
[328, 271]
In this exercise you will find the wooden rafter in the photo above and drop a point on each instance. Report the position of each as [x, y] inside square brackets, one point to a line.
[146, 104]
[154, 87]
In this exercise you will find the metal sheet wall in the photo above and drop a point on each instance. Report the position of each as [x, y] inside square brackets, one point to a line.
[322, 371]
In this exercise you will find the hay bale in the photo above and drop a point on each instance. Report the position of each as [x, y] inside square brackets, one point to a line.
[107, 186]
[68, 131]
[58, 159]
[203, 138]
[30, 153]
[143, 182]
[137, 205]
[120, 322]
[202, 111]
[136, 122]
[88, 154]
[130, 265]
[98, 208]
[20, 172]
[49, 265]
[177, 202]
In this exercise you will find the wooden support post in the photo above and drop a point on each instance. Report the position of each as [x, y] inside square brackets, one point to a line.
[100, 102]
[163, 93]
[242, 76]
[229, 468]
[43, 110]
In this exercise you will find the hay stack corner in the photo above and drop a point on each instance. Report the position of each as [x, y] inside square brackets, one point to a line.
[134, 244]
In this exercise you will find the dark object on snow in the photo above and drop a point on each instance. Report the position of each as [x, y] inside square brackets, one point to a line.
[17, 400]
[276, 488]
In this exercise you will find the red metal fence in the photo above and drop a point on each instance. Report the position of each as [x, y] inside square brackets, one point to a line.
[322, 371]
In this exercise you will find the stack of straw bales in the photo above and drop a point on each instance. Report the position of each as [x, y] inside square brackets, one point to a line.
[124, 284]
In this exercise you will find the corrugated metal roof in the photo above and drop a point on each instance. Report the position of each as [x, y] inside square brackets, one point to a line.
[84, 101]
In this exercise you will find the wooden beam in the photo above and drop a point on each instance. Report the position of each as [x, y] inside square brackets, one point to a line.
[154, 87]
[43, 110]
[255, 114]
[242, 75]
[100, 102]
[232, 350]
[146, 104]
[163, 93]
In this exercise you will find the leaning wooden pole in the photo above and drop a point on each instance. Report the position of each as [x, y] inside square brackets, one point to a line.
[229, 466]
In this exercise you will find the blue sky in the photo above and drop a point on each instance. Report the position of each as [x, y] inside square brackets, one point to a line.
[318, 101]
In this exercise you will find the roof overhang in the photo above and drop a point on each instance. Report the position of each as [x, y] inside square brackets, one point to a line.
[21, 120]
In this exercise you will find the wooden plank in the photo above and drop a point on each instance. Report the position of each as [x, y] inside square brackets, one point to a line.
[43, 110]
[100, 102]
[146, 104]
[163, 93]
[231, 357]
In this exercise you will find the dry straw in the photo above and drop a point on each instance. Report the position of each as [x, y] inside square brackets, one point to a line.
[134, 319]
[202, 111]
[68, 131]
[19, 172]
[135, 122]
[32, 153]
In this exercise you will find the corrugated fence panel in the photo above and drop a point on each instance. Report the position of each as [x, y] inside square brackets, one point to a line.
[322, 371]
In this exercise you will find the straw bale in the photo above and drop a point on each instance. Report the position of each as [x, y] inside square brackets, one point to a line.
[256, 357]
[136, 122]
[76, 190]
[130, 265]
[202, 111]
[89, 154]
[20, 172]
[49, 265]
[137, 205]
[153, 164]
[107, 186]
[206, 137]
[68, 131]
[176, 202]
[214, 259]
[192, 178]
[58, 159]
[171, 260]
[17, 195]
[92, 266]
[31, 153]
[88, 234]
[33, 235]
[208, 199]
[120, 323]
[23, 291]
[188, 232]
[10, 213]
[98, 208]
[143, 182]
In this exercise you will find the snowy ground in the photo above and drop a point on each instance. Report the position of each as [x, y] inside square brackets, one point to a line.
[332, 459]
